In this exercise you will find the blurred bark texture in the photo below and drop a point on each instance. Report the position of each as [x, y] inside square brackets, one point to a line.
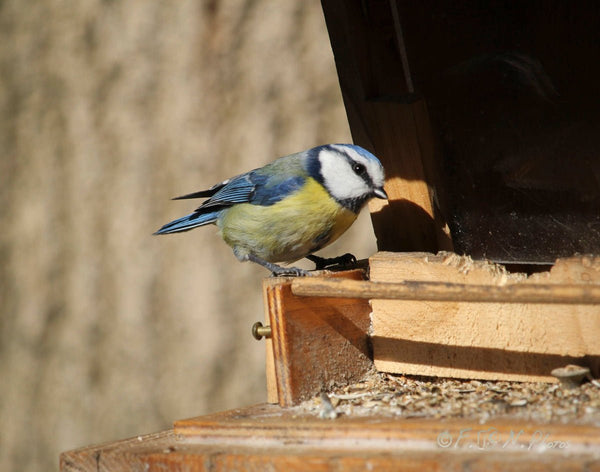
[108, 109]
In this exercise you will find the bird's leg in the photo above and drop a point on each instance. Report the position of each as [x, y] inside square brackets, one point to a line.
[277, 270]
[323, 262]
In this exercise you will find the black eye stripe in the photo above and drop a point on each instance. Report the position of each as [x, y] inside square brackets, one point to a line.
[361, 170]
[363, 175]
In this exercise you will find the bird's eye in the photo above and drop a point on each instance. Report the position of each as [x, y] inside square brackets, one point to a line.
[359, 168]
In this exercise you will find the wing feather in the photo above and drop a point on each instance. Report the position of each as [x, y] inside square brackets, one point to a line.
[253, 188]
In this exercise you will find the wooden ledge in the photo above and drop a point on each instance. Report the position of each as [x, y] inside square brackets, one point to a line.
[574, 294]
[281, 439]
[281, 426]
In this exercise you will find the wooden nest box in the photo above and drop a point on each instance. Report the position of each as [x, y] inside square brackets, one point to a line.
[487, 121]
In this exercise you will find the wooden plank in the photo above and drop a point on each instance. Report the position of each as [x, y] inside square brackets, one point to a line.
[356, 440]
[446, 291]
[118, 455]
[386, 119]
[271, 374]
[392, 127]
[273, 423]
[315, 341]
[267, 437]
[488, 340]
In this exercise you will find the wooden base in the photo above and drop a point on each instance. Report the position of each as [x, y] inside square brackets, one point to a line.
[267, 437]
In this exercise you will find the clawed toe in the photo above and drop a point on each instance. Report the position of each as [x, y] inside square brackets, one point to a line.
[290, 272]
[323, 262]
[346, 259]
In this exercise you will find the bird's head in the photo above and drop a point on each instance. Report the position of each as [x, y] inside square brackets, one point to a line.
[351, 174]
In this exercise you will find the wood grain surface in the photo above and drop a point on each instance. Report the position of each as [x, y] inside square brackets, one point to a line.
[267, 437]
[476, 320]
[315, 342]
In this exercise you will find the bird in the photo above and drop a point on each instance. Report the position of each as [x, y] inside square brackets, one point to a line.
[291, 207]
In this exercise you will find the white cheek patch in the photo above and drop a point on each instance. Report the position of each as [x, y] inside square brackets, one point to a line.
[340, 179]
[373, 168]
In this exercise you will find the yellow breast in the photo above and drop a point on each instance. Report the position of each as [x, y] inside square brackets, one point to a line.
[288, 230]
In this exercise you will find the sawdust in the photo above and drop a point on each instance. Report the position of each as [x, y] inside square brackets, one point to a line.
[402, 396]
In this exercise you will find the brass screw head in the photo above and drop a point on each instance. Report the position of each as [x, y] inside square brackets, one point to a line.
[259, 331]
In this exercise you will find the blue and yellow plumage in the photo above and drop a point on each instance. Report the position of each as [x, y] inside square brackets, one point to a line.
[291, 207]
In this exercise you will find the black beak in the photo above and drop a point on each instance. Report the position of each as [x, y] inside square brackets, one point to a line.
[380, 193]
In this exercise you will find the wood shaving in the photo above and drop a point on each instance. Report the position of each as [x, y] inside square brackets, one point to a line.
[402, 396]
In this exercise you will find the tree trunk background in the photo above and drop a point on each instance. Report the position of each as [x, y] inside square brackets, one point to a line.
[107, 110]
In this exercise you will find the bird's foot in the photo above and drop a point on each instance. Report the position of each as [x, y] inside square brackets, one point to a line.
[277, 270]
[289, 271]
[324, 262]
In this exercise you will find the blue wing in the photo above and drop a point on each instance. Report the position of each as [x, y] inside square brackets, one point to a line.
[270, 194]
[254, 187]
[236, 190]
[191, 221]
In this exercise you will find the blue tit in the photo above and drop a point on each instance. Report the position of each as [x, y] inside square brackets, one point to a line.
[290, 208]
